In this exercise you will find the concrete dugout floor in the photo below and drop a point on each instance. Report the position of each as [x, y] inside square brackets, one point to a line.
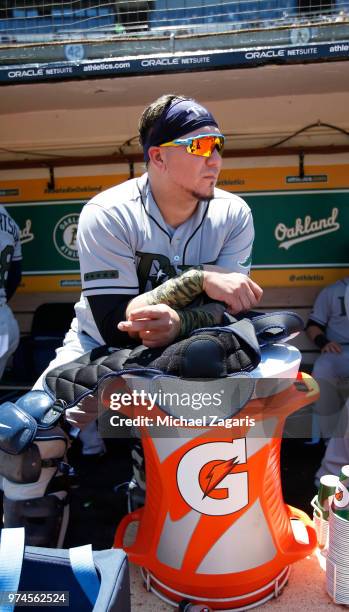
[305, 591]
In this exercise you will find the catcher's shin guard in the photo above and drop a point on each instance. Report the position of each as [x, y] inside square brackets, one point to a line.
[42, 507]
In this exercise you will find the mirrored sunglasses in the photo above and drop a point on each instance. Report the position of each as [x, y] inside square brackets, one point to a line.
[202, 145]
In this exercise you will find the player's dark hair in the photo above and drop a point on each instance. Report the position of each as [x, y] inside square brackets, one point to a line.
[152, 113]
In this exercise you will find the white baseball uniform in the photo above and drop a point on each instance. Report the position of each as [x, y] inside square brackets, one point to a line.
[329, 310]
[331, 371]
[125, 247]
[10, 250]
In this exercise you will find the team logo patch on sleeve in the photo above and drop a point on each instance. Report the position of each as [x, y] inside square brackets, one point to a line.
[64, 236]
[247, 262]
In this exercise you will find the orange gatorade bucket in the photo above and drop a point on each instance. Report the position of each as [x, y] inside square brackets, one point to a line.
[214, 528]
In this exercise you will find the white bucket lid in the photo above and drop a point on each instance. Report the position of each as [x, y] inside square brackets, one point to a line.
[279, 361]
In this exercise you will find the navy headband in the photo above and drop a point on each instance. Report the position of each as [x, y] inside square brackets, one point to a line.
[180, 118]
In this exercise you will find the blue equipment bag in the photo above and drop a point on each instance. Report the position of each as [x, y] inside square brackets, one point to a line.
[94, 581]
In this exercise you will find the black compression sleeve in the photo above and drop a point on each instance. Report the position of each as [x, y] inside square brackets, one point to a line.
[321, 341]
[13, 279]
[108, 311]
[311, 322]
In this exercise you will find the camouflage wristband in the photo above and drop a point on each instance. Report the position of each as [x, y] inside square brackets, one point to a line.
[207, 315]
[179, 291]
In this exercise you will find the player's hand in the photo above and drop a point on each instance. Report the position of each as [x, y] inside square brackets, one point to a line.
[332, 347]
[239, 292]
[155, 325]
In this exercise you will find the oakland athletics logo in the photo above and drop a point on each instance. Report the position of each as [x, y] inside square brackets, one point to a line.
[64, 236]
[208, 481]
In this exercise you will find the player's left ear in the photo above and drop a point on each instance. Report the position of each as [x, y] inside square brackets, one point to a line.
[156, 156]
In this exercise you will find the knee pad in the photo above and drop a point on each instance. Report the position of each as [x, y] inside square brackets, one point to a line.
[19, 421]
[42, 407]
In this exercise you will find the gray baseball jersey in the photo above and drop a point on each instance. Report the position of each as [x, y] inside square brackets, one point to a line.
[10, 248]
[330, 310]
[126, 247]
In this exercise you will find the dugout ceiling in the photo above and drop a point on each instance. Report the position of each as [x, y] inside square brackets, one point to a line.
[255, 106]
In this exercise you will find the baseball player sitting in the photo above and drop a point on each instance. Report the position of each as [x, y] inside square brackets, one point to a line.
[10, 276]
[328, 328]
[147, 249]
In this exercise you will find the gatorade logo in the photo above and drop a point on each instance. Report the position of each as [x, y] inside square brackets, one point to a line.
[208, 481]
[341, 496]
